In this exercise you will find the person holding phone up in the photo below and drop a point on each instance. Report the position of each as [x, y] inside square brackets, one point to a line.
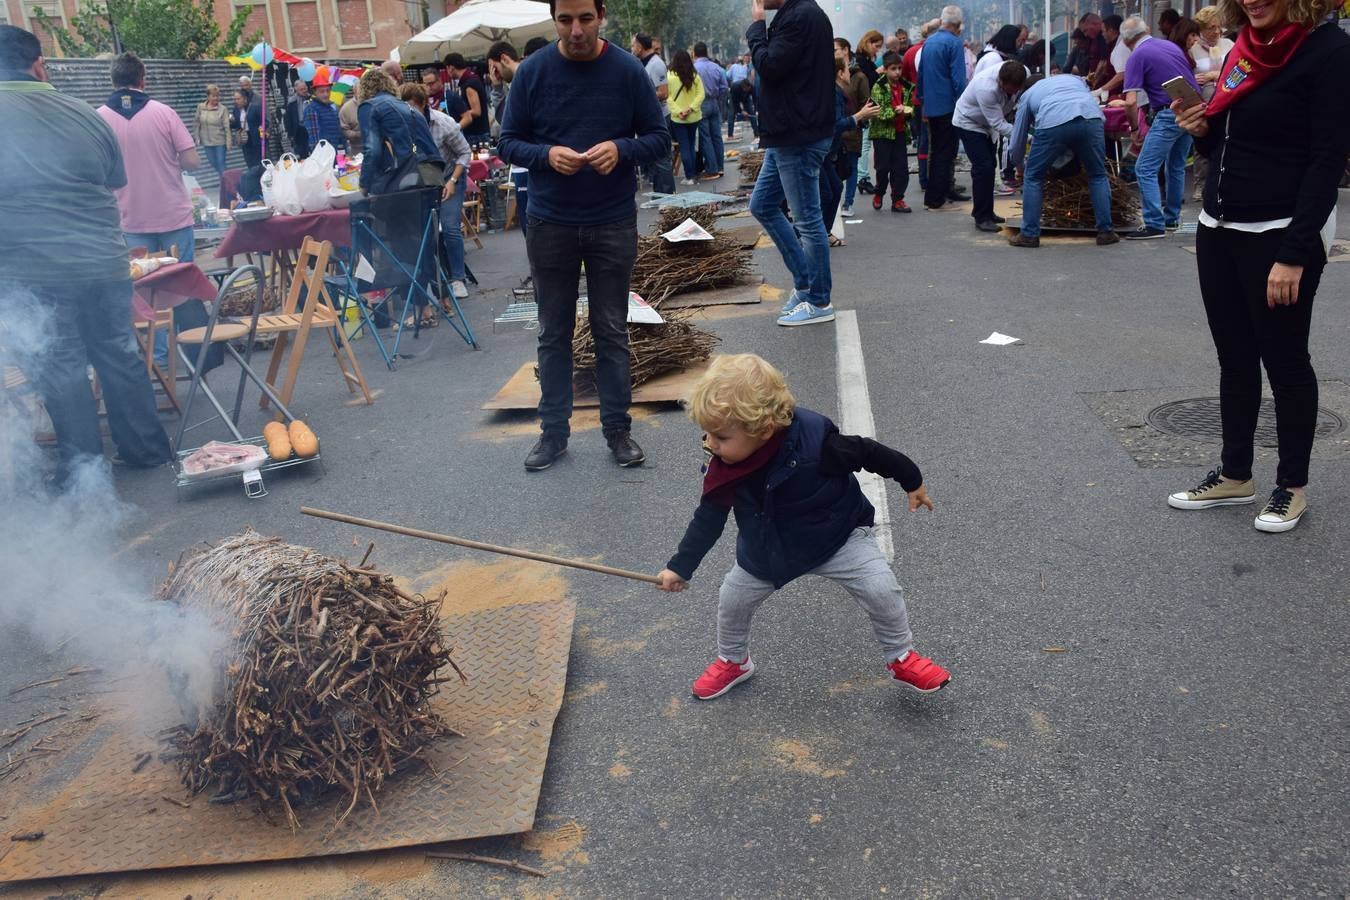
[1276, 133]
[1153, 62]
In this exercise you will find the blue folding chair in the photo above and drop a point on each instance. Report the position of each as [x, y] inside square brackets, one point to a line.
[395, 247]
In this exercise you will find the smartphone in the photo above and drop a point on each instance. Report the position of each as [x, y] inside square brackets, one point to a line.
[1180, 89]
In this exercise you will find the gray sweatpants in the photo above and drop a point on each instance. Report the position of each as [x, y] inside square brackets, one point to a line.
[859, 566]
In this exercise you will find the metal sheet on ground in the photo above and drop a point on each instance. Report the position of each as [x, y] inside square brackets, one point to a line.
[522, 390]
[100, 817]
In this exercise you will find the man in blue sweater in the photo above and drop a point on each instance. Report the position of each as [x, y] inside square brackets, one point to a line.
[942, 78]
[581, 117]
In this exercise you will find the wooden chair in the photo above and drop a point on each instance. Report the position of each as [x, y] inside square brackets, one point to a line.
[509, 190]
[310, 266]
[471, 225]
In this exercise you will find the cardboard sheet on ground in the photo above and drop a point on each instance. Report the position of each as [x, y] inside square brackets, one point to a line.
[522, 390]
[745, 292]
[100, 817]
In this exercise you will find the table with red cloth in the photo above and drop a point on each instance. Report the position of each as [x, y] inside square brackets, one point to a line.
[168, 286]
[158, 292]
[287, 232]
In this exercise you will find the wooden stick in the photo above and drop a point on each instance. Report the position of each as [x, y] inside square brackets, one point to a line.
[490, 860]
[478, 545]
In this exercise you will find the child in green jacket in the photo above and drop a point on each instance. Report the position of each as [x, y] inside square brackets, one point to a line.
[890, 152]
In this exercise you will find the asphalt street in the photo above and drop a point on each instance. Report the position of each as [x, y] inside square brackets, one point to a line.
[1144, 702]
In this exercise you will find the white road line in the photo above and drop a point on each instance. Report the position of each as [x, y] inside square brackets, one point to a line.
[855, 404]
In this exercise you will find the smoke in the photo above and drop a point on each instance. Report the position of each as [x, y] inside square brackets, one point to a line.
[64, 582]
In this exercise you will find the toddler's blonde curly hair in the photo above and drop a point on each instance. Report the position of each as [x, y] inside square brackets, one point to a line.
[741, 389]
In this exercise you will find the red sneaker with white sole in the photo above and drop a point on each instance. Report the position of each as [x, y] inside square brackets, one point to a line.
[919, 672]
[722, 676]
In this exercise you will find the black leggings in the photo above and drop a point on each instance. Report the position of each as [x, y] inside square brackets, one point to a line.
[1234, 266]
[892, 164]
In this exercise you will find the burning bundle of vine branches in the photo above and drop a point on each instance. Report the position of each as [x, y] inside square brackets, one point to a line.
[1068, 203]
[327, 675]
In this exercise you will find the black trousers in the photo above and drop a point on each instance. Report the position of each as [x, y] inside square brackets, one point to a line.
[941, 159]
[983, 160]
[891, 159]
[831, 192]
[1234, 266]
[557, 253]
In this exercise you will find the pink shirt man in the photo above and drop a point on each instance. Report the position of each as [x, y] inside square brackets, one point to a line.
[154, 200]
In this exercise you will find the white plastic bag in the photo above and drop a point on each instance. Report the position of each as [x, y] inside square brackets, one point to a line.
[313, 177]
[285, 195]
[269, 172]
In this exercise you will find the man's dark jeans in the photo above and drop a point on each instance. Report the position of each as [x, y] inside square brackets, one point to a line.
[557, 253]
[90, 323]
[983, 160]
[941, 159]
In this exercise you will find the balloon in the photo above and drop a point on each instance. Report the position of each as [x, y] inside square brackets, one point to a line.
[262, 53]
[306, 69]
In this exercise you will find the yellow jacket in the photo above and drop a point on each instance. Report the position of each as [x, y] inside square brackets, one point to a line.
[681, 98]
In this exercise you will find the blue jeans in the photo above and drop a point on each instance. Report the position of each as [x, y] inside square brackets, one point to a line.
[556, 254]
[687, 137]
[89, 323]
[216, 157]
[163, 242]
[1087, 139]
[1166, 145]
[794, 173]
[452, 239]
[851, 184]
[710, 137]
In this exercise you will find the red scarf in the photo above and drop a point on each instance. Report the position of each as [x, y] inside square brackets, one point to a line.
[720, 479]
[1251, 63]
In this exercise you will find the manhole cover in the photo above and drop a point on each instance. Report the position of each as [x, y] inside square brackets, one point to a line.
[1199, 418]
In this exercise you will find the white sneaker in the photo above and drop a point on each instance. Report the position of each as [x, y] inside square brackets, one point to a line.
[688, 182]
[847, 211]
[459, 289]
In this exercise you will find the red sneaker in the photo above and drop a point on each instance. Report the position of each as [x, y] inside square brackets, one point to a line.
[919, 672]
[722, 676]
[877, 201]
[898, 205]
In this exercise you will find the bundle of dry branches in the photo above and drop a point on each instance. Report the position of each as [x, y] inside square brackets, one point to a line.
[671, 217]
[326, 675]
[663, 269]
[653, 350]
[751, 162]
[1068, 203]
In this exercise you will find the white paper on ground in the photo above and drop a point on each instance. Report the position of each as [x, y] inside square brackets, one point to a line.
[364, 270]
[853, 221]
[640, 312]
[1001, 340]
[688, 230]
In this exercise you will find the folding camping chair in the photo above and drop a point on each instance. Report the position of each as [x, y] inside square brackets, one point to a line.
[396, 247]
[218, 331]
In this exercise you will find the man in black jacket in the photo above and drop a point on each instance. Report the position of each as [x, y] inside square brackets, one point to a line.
[794, 61]
[295, 118]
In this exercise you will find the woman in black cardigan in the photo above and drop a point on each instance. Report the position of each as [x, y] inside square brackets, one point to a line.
[1276, 135]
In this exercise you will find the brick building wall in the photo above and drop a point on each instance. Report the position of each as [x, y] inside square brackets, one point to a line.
[320, 29]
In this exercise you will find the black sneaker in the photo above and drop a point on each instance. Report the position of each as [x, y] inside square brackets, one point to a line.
[989, 226]
[1171, 226]
[1107, 238]
[1145, 234]
[545, 451]
[626, 451]
[998, 220]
